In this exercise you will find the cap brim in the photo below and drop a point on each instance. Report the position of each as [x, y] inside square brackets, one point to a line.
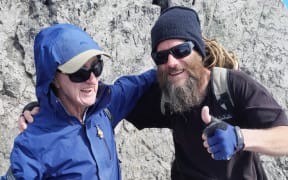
[78, 61]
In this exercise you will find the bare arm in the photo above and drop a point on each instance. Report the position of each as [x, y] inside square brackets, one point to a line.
[272, 141]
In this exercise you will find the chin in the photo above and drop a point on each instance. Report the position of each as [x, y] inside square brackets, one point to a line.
[178, 81]
[88, 102]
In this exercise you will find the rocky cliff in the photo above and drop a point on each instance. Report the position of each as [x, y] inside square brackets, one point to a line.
[256, 30]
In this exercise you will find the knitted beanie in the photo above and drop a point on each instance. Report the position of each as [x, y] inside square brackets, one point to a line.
[178, 23]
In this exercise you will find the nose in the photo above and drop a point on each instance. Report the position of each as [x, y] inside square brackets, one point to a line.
[172, 61]
[92, 78]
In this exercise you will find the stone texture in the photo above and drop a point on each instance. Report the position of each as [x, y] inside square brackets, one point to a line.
[256, 30]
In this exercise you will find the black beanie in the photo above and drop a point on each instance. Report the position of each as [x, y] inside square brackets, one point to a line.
[178, 23]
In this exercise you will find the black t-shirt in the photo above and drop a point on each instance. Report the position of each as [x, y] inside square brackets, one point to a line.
[254, 107]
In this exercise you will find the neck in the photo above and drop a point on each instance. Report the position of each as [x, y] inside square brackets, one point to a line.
[205, 78]
[78, 112]
[74, 110]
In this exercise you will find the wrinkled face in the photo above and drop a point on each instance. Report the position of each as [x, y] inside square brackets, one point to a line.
[180, 78]
[77, 95]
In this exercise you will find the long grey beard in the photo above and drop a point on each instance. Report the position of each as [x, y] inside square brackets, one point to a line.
[181, 99]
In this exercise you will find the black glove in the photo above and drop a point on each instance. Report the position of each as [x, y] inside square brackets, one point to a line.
[30, 106]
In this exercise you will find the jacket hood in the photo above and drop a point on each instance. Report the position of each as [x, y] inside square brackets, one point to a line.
[62, 46]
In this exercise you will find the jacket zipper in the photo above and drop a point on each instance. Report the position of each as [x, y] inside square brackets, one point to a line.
[84, 131]
[100, 134]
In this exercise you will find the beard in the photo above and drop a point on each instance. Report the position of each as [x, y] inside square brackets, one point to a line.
[178, 99]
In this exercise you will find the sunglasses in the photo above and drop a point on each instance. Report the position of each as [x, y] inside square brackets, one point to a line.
[178, 52]
[83, 74]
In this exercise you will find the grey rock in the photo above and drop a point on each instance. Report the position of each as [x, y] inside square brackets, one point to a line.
[256, 30]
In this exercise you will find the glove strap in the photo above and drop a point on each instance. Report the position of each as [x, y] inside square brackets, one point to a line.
[240, 139]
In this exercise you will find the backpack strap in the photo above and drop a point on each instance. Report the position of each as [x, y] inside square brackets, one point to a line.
[221, 89]
[109, 114]
[10, 175]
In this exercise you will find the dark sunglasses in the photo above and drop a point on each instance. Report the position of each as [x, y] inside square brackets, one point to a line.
[179, 51]
[83, 74]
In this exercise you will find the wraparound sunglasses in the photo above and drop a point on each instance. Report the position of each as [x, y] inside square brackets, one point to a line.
[179, 51]
[83, 74]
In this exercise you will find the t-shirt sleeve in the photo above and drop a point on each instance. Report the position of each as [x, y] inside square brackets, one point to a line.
[254, 104]
[147, 112]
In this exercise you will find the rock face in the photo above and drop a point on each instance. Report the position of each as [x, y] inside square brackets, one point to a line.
[256, 30]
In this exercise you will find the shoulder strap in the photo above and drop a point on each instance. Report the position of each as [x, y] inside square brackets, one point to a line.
[9, 174]
[220, 88]
[109, 114]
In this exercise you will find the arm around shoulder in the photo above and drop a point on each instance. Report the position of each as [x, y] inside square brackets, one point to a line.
[127, 90]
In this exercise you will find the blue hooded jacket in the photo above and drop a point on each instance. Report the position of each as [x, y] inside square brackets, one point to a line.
[57, 145]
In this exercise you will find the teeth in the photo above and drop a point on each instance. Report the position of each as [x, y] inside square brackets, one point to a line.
[176, 73]
[86, 90]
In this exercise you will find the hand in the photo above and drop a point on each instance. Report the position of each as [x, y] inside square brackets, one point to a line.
[26, 117]
[221, 139]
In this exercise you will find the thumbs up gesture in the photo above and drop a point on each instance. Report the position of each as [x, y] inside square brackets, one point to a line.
[221, 139]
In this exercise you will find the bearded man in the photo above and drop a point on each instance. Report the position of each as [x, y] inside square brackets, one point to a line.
[258, 124]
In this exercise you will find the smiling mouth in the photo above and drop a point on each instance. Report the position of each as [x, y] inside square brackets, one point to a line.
[86, 90]
[175, 73]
